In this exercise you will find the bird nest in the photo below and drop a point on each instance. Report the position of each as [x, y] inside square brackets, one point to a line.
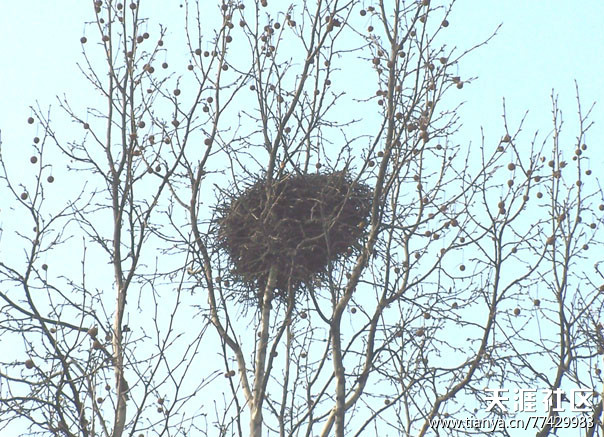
[298, 226]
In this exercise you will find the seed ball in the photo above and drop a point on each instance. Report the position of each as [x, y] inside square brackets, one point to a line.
[363, 12]
[133, 6]
[585, 247]
[462, 267]
[459, 85]
[83, 40]
[353, 310]
[592, 226]
[539, 195]
[146, 35]
[511, 166]
[44, 267]
[206, 109]
[427, 316]
[462, 239]
[207, 141]
[139, 39]
[120, 6]
[516, 311]
[536, 302]
[176, 92]
[23, 196]
[370, 29]
[587, 172]
[190, 67]
[387, 401]
[225, 67]
[50, 179]
[29, 364]
[445, 23]
[380, 154]
[175, 123]
[33, 159]
[30, 120]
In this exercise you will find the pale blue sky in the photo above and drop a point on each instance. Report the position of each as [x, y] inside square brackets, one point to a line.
[543, 45]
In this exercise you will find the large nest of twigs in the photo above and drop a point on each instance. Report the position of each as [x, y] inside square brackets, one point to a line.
[298, 225]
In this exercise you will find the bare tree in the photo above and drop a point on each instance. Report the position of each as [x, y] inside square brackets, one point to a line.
[379, 276]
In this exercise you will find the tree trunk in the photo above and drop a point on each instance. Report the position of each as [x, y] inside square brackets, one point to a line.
[262, 346]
